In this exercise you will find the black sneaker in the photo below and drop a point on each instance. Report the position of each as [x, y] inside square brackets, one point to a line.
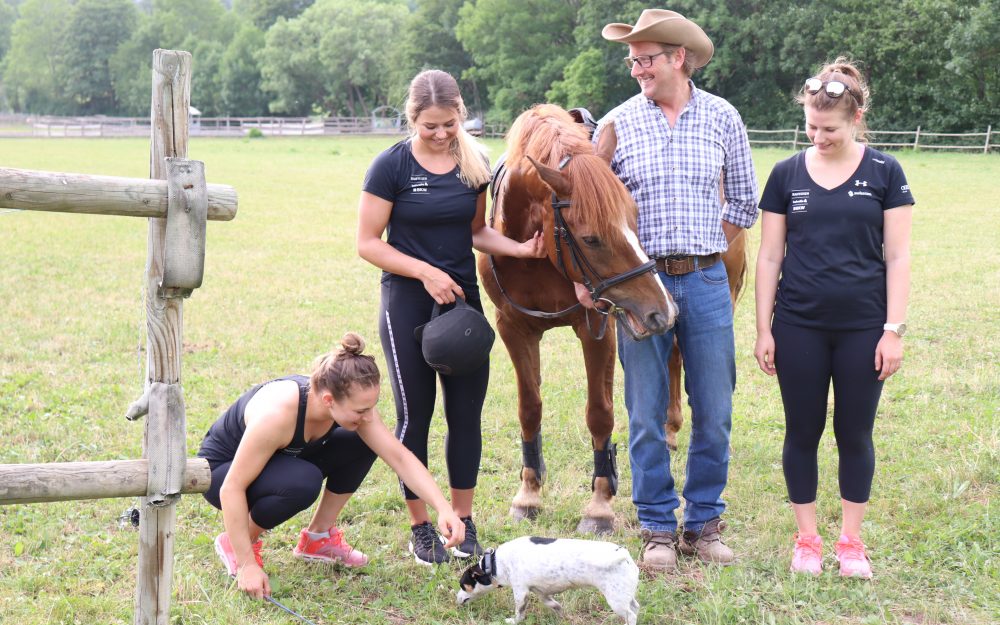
[426, 546]
[470, 546]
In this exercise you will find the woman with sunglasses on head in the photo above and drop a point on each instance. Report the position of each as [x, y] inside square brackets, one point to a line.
[427, 194]
[836, 229]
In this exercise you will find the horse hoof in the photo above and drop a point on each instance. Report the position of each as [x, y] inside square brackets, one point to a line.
[520, 513]
[589, 525]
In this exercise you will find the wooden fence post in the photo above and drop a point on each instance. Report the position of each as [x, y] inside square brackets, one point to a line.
[795, 139]
[986, 146]
[164, 325]
[916, 139]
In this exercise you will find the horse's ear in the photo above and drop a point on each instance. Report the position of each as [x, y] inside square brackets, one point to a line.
[607, 142]
[552, 177]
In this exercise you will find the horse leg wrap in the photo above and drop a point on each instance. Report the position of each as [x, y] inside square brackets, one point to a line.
[606, 465]
[531, 456]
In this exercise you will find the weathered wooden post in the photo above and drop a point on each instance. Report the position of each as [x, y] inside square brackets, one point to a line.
[177, 202]
[163, 438]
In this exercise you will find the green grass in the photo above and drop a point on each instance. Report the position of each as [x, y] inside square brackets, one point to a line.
[283, 283]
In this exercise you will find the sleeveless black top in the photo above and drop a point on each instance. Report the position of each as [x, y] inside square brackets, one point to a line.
[224, 436]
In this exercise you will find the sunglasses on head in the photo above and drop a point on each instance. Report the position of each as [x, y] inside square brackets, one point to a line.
[832, 88]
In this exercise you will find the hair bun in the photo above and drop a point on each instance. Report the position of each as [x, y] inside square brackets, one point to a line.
[352, 343]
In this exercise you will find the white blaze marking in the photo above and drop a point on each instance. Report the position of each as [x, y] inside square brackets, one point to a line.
[633, 240]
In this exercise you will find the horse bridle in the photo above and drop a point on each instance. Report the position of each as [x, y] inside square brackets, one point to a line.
[563, 235]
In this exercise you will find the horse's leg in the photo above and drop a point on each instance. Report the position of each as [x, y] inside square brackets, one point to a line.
[523, 346]
[675, 418]
[599, 358]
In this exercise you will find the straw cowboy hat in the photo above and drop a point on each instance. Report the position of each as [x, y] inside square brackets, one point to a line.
[663, 26]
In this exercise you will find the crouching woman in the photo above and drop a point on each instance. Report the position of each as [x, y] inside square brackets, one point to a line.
[271, 450]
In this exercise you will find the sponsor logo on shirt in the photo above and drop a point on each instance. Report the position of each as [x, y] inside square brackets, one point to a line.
[418, 183]
[800, 198]
[861, 183]
[904, 188]
[859, 193]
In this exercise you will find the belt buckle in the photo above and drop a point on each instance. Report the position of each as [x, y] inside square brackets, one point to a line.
[679, 266]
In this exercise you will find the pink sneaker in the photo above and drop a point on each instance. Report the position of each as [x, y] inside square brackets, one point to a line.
[854, 562]
[808, 555]
[332, 548]
[225, 550]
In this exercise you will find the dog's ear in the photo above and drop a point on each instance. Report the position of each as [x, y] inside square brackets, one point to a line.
[474, 575]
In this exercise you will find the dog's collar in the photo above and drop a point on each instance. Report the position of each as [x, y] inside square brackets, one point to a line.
[489, 563]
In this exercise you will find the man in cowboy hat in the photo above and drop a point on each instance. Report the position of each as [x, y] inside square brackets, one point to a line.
[680, 151]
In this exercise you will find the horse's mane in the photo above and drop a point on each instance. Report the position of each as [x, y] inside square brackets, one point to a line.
[547, 133]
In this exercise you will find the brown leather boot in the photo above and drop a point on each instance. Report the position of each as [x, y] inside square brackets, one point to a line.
[707, 544]
[659, 551]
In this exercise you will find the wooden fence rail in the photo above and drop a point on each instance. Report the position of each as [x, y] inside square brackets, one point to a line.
[795, 138]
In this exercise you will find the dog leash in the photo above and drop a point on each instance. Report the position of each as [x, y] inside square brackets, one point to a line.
[287, 609]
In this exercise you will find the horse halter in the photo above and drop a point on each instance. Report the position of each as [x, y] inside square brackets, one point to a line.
[580, 262]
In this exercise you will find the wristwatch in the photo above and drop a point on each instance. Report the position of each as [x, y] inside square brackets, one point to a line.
[898, 328]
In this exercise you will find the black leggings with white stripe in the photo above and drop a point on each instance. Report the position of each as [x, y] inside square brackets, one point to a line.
[406, 305]
[807, 360]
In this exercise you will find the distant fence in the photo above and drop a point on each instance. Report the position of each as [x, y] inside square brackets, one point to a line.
[918, 139]
[791, 138]
[25, 126]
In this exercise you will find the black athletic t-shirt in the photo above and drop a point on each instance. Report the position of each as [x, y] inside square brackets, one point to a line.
[431, 215]
[833, 274]
[224, 436]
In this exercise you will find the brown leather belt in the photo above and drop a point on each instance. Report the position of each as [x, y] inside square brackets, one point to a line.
[680, 265]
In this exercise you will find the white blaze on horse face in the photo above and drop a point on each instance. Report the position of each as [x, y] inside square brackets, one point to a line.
[633, 240]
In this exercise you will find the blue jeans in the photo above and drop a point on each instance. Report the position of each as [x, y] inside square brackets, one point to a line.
[704, 332]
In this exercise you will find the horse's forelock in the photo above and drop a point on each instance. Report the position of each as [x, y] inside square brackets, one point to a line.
[547, 133]
[602, 200]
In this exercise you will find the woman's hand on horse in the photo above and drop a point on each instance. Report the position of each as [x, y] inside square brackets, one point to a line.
[533, 247]
[763, 351]
[440, 285]
[252, 580]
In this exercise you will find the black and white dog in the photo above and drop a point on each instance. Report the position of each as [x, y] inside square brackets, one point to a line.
[546, 566]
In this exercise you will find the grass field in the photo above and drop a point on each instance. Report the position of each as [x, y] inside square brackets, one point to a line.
[283, 283]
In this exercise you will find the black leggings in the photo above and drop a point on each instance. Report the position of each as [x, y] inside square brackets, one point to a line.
[406, 305]
[806, 360]
[288, 485]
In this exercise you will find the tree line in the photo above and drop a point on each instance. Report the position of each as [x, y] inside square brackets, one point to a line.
[933, 63]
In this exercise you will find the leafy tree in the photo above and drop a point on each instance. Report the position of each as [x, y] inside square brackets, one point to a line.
[332, 58]
[33, 73]
[974, 44]
[596, 78]
[8, 14]
[96, 29]
[519, 47]
[264, 13]
[239, 74]
[427, 41]
[168, 26]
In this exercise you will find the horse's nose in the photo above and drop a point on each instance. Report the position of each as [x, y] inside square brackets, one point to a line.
[658, 323]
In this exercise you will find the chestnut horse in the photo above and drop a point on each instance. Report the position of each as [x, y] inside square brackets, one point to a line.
[552, 181]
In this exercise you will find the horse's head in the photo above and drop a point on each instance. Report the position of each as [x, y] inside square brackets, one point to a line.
[590, 232]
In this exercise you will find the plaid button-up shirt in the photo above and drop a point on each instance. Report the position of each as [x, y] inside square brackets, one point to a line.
[674, 173]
